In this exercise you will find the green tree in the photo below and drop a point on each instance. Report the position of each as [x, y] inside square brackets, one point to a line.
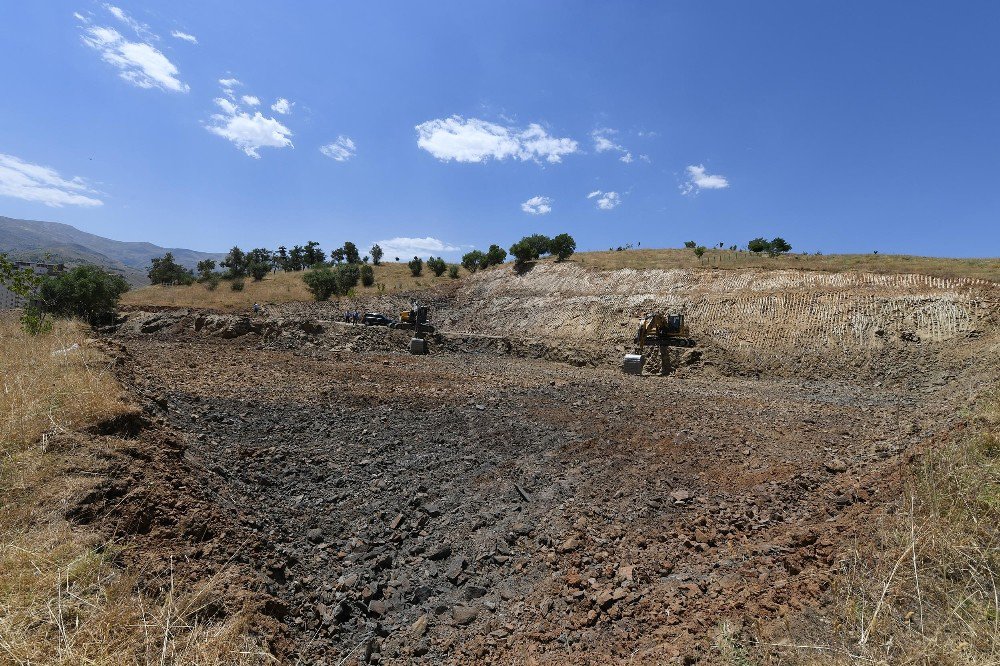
[690, 245]
[280, 258]
[759, 245]
[562, 246]
[206, 268]
[367, 275]
[351, 253]
[495, 256]
[337, 255]
[700, 252]
[165, 270]
[349, 275]
[471, 261]
[416, 266]
[453, 271]
[437, 265]
[530, 248]
[323, 282]
[296, 259]
[312, 254]
[235, 263]
[779, 246]
[376, 253]
[86, 292]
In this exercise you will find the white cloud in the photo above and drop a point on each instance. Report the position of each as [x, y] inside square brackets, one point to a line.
[282, 106]
[699, 180]
[250, 100]
[476, 140]
[341, 150]
[603, 142]
[248, 132]
[229, 83]
[606, 200]
[537, 205]
[141, 29]
[405, 248]
[139, 63]
[185, 36]
[31, 182]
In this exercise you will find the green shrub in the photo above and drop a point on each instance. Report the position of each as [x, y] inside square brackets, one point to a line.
[437, 265]
[236, 284]
[367, 275]
[34, 321]
[416, 266]
[86, 292]
[453, 271]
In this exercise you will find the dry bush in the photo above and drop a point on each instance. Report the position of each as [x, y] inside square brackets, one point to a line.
[926, 588]
[64, 599]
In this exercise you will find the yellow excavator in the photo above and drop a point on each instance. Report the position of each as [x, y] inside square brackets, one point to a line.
[658, 330]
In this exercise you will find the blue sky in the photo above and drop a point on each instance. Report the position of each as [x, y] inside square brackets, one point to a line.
[850, 126]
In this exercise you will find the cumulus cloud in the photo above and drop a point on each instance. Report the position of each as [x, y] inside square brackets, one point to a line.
[282, 106]
[184, 36]
[139, 63]
[698, 179]
[248, 132]
[605, 200]
[404, 248]
[341, 150]
[250, 100]
[475, 140]
[537, 205]
[32, 182]
[229, 83]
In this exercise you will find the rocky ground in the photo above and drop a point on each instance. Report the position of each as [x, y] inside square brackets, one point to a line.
[485, 504]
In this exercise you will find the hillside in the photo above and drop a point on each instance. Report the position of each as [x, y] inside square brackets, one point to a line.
[884, 264]
[36, 240]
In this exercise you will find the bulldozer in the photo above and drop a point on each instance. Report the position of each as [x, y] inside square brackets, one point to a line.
[415, 319]
[658, 330]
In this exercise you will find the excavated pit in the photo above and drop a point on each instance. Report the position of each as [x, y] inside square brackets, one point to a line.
[514, 496]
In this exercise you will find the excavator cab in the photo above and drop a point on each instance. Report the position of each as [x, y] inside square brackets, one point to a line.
[415, 319]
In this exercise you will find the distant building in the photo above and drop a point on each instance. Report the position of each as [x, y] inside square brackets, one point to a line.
[9, 300]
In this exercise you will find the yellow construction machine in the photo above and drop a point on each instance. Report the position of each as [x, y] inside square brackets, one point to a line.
[658, 330]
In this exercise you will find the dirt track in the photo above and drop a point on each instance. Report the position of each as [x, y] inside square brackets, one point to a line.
[470, 507]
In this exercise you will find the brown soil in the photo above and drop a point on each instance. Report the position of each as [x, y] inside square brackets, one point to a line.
[489, 503]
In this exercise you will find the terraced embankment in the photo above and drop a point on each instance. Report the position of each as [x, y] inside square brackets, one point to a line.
[789, 323]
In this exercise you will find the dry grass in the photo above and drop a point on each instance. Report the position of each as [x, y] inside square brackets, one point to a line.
[926, 589]
[63, 598]
[273, 289]
[983, 269]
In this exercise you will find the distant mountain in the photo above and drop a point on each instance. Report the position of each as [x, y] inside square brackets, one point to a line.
[33, 240]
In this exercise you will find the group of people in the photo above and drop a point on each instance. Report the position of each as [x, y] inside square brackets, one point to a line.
[352, 317]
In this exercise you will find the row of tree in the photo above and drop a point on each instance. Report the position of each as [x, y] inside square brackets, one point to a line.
[773, 247]
[260, 261]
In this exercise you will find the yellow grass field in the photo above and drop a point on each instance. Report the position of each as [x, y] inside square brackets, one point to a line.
[63, 598]
[982, 269]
